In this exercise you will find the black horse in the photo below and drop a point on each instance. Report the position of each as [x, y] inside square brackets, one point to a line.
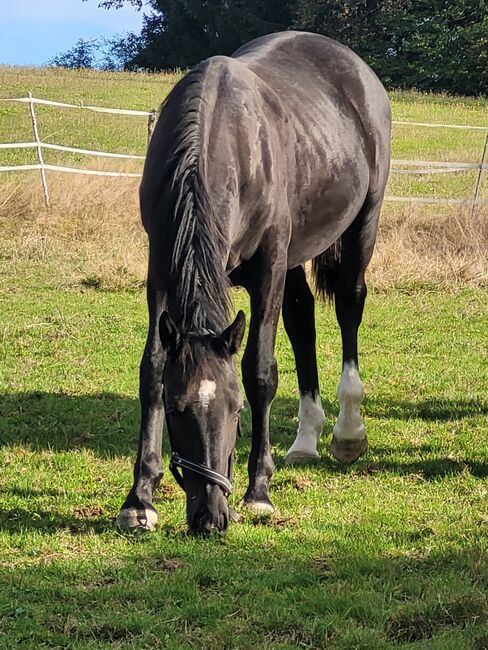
[259, 162]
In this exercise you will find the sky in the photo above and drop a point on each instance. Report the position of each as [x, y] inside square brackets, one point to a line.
[33, 31]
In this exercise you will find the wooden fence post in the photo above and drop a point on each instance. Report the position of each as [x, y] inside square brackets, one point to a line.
[39, 150]
[151, 123]
[480, 173]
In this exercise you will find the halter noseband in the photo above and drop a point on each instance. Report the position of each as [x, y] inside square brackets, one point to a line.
[202, 470]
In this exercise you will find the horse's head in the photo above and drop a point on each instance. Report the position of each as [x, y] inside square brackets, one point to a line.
[203, 400]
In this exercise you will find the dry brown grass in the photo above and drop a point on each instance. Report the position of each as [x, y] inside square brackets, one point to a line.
[431, 245]
[92, 236]
[92, 233]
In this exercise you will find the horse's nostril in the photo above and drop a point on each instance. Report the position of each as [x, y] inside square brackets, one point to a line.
[224, 522]
[208, 516]
[205, 523]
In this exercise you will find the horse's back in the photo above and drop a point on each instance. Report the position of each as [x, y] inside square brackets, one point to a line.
[337, 136]
[305, 66]
[293, 130]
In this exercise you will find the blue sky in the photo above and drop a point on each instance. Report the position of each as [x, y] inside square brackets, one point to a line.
[33, 31]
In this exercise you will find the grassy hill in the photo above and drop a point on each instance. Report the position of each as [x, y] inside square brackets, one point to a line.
[418, 244]
[146, 91]
[415, 241]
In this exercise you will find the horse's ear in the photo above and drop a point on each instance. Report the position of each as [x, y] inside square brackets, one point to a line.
[232, 336]
[168, 333]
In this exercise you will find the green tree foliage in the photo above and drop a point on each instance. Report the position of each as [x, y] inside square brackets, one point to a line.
[100, 53]
[81, 55]
[179, 33]
[426, 44]
[434, 45]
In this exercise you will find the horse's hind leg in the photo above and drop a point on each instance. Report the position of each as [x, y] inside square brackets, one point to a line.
[349, 439]
[299, 320]
[137, 511]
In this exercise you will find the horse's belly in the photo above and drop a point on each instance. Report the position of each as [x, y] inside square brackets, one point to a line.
[321, 222]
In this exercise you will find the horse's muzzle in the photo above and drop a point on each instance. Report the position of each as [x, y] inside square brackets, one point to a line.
[207, 511]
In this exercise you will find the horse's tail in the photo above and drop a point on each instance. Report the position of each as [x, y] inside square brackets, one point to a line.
[325, 269]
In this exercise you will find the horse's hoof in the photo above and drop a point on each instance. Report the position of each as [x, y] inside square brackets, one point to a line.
[133, 519]
[347, 451]
[234, 516]
[259, 507]
[301, 457]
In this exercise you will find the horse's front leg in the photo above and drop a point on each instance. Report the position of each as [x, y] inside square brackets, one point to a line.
[259, 369]
[137, 512]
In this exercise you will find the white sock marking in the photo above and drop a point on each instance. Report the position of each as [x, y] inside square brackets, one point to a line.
[310, 422]
[206, 392]
[350, 394]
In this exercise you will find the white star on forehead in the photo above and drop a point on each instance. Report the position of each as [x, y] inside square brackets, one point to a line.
[206, 392]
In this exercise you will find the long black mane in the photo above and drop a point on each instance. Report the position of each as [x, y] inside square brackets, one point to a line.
[197, 283]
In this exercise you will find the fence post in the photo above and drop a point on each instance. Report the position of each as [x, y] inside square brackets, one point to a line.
[39, 150]
[151, 123]
[478, 178]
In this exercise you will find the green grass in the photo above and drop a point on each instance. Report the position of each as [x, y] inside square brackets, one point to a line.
[146, 91]
[389, 553]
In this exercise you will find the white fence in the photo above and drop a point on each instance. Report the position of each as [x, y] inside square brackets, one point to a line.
[39, 145]
[420, 167]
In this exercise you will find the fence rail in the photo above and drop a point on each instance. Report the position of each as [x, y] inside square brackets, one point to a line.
[436, 125]
[39, 145]
[69, 170]
[58, 147]
[408, 167]
[96, 109]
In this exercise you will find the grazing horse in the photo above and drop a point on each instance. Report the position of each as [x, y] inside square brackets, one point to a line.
[259, 162]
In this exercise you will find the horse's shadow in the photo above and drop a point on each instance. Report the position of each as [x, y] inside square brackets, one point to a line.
[424, 460]
[17, 519]
[107, 425]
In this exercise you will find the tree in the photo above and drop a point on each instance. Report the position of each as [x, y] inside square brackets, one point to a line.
[426, 44]
[81, 55]
[100, 53]
[430, 45]
[179, 33]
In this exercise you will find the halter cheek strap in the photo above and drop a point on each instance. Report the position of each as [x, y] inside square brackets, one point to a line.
[208, 473]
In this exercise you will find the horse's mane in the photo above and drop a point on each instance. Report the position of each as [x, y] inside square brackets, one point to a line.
[197, 295]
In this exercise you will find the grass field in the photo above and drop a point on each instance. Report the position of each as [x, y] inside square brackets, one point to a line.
[390, 553]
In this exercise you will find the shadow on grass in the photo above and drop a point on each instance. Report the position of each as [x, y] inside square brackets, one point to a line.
[108, 424]
[104, 422]
[16, 520]
[430, 410]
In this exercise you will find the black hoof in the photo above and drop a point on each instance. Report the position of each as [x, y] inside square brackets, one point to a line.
[258, 504]
[348, 451]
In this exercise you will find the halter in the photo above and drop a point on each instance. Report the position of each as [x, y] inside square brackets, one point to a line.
[202, 470]
[212, 476]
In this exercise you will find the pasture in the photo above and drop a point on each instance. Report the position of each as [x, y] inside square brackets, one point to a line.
[389, 553]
